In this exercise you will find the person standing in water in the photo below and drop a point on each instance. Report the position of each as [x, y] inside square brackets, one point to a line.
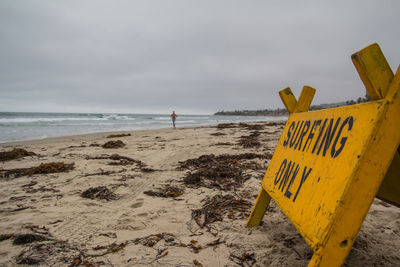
[173, 117]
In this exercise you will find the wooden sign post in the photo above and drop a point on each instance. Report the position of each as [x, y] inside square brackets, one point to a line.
[330, 164]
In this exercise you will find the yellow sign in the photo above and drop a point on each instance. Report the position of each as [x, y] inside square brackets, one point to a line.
[329, 164]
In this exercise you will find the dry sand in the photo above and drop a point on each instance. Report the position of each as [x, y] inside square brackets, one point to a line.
[135, 229]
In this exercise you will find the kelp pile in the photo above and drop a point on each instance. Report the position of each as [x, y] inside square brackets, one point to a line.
[250, 141]
[114, 144]
[16, 153]
[216, 207]
[43, 168]
[99, 192]
[225, 171]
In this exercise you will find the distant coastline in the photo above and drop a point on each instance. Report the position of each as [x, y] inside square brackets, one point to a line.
[283, 112]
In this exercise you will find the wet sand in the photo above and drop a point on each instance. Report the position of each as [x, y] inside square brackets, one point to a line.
[145, 204]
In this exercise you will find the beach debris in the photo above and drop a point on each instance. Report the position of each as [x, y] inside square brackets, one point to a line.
[197, 263]
[103, 172]
[166, 191]
[16, 153]
[28, 260]
[214, 243]
[94, 144]
[51, 167]
[114, 144]
[42, 188]
[245, 259]
[216, 207]
[6, 237]
[223, 144]
[251, 126]
[80, 261]
[31, 183]
[151, 240]
[194, 246]
[123, 160]
[223, 175]
[225, 171]
[111, 248]
[249, 141]
[275, 123]
[43, 168]
[118, 135]
[147, 170]
[18, 208]
[23, 239]
[52, 253]
[205, 160]
[39, 230]
[125, 178]
[218, 134]
[161, 252]
[226, 125]
[56, 221]
[99, 192]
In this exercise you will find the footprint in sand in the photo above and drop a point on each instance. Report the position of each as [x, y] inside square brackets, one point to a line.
[138, 203]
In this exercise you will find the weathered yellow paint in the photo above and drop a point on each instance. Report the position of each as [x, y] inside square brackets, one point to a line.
[367, 177]
[292, 105]
[259, 209]
[374, 70]
[328, 167]
[305, 99]
[288, 99]
[377, 75]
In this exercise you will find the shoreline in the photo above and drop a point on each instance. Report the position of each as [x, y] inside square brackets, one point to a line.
[87, 136]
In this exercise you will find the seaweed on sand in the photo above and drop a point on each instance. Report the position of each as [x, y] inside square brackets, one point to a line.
[43, 168]
[114, 144]
[249, 141]
[151, 240]
[100, 192]
[167, 191]
[276, 123]
[226, 125]
[118, 135]
[123, 160]
[216, 207]
[251, 126]
[223, 175]
[16, 153]
[23, 239]
[217, 134]
[225, 171]
[205, 160]
[245, 259]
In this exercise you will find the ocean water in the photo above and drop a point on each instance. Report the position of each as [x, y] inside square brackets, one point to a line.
[18, 126]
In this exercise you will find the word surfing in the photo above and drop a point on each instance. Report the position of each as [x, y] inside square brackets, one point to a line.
[321, 139]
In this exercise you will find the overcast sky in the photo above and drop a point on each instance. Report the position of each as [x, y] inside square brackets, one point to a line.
[196, 57]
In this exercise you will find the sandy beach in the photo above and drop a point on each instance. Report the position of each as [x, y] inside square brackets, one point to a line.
[159, 198]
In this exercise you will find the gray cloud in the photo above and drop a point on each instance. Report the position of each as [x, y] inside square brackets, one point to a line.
[192, 56]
